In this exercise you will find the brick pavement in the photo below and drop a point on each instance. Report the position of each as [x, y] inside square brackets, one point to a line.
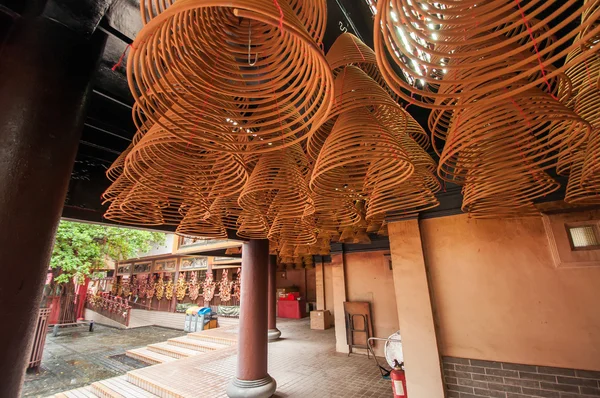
[304, 363]
[77, 358]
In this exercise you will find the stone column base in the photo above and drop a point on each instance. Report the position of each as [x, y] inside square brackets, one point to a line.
[273, 334]
[263, 388]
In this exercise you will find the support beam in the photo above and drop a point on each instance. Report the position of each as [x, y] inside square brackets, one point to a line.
[45, 75]
[415, 315]
[320, 285]
[253, 380]
[273, 333]
[339, 297]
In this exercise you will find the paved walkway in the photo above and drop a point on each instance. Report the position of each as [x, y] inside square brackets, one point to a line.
[77, 357]
[303, 362]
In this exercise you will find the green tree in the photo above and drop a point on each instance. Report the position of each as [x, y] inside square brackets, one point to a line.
[81, 248]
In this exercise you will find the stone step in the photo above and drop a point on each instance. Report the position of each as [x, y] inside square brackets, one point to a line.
[147, 356]
[172, 350]
[154, 386]
[211, 338]
[83, 392]
[119, 387]
[196, 344]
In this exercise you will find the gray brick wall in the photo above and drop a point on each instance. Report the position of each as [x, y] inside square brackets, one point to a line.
[471, 378]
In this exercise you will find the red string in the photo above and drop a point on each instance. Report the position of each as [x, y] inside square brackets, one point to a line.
[533, 174]
[520, 111]
[539, 57]
[587, 69]
[356, 45]
[120, 61]
[280, 15]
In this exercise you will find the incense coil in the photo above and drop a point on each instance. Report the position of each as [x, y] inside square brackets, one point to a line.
[495, 194]
[180, 169]
[526, 132]
[583, 70]
[436, 31]
[295, 231]
[348, 49]
[353, 89]
[334, 213]
[476, 93]
[228, 210]
[253, 225]
[358, 154]
[312, 13]
[409, 198]
[590, 175]
[274, 83]
[413, 137]
[117, 188]
[576, 193]
[278, 186]
[198, 221]
[138, 206]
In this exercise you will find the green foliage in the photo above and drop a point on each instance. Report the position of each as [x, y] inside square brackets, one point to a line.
[81, 248]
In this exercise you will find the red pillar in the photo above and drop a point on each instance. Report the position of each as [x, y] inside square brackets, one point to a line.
[45, 84]
[253, 380]
[273, 333]
[81, 297]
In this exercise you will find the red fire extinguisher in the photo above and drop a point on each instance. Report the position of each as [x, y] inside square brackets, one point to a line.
[398, 380]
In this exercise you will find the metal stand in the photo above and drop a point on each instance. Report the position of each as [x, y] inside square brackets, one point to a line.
[385, 373]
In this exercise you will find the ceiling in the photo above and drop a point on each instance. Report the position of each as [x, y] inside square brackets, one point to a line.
[108, 126]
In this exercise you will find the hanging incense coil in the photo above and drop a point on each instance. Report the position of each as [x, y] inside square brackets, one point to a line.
[359, 153]
[139, 206]
[410, 133]
[253, 225]
[348, 49]
[228, 210]
[199, 221]
[312, 13]
[226, 57]
[116, 168]
[576, 193]
[415, 195]
[180, 169]
[293, 231]
[353, 89]
[526, 132]
[488, 92]
[426, 39]
[334, 213]
[489, 192]
[583, 70]
[278, 186]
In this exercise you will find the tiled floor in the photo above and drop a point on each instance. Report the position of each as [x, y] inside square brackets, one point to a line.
[77, 357]
[304, 364]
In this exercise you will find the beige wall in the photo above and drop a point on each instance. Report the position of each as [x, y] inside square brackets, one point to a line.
[369, 278]
[499, 296]
[293, 277]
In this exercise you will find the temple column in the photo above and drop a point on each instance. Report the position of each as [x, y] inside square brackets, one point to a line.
[45, 86]
[273, 333]
[252, 378]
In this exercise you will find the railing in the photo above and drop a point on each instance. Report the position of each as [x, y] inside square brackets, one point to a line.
[39, 339]
[112, 307]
